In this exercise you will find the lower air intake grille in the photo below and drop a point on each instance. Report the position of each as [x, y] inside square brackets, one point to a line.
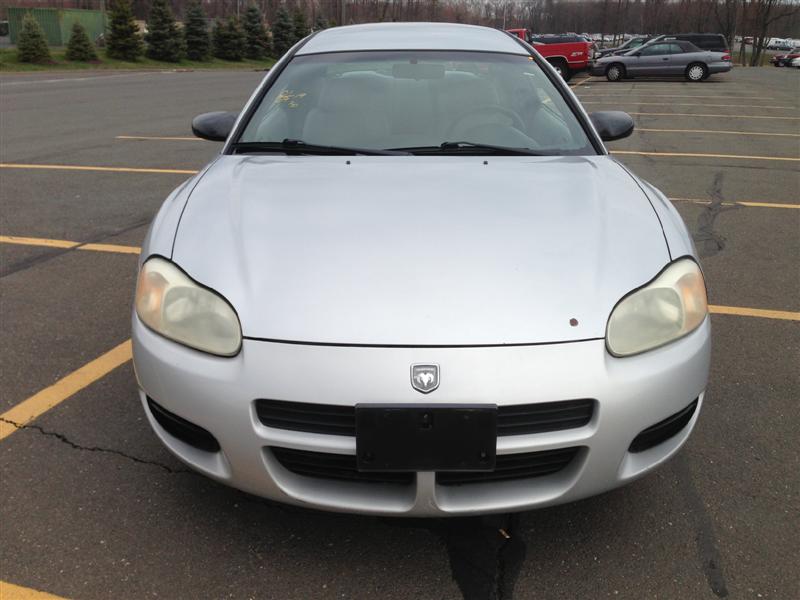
[184, 430]
[515, 466]
[663, 430]
[333, 419]
[342, 467]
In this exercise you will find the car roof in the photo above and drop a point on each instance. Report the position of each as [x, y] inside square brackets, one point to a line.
[411, 36]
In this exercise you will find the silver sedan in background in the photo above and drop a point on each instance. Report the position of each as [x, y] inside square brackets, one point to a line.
[414, 282]
[674, 58]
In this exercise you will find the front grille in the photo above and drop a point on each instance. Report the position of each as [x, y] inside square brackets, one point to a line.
[343, 467]
[341, 420]
[663, 430]
[545, 416]
[184, 430]
[311, 418]
[515, 466]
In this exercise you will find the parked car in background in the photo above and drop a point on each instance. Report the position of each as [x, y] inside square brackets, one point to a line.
[795, 63]
[780, 44]
[661, 58]
[783, 60]
[568, 53]
[632, 43]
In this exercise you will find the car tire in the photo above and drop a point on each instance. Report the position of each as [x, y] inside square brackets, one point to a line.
[615, 72]
[696, 72]
[562, 68]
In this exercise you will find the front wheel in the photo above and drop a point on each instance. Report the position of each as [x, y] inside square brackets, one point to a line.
[562, 68]
[614, 73]
[696, 72]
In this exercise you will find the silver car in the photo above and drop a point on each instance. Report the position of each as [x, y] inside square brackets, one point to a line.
[415, 283]
[673, 58]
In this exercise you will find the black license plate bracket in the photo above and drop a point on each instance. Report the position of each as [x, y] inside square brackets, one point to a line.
[425, 437]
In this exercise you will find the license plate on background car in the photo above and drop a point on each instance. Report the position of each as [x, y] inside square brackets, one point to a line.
[423, 437]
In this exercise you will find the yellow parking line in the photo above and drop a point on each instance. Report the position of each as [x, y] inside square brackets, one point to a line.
[87, 168]
[766, 133]
[703, 105]
[696, 155]
[26, 241]
[784, 315]
[9, 591]
[581, 82]
[634, 93]
[740, 203]
[31, 408]
[655, 114]
[154, 137]
[110, 248]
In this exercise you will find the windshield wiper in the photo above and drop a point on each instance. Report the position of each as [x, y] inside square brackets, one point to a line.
[470, 148]
[290, 146]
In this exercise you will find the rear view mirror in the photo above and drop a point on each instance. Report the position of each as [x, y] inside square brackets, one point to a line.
[214, 126]
[612, 124]
[417, 71]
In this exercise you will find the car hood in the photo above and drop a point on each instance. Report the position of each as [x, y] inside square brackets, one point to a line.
[420, 251]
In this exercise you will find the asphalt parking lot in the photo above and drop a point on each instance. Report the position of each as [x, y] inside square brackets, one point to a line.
[94, 507]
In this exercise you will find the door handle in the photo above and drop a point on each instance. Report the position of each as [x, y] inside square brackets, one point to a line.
[665, 58]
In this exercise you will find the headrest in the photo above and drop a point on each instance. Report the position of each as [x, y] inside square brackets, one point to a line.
[354, 92]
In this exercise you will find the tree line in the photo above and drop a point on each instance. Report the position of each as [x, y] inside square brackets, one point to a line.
[541, 16]
[232, 38]
[259, 28]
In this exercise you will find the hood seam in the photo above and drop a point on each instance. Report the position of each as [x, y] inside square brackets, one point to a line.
[650, 201]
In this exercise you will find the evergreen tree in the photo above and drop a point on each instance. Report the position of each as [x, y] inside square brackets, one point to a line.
[282, 33]
[164, 41]
[80, 47]
[256, 41]
[31, 43]
[321, 23]
[123, 40]
[195, 33]
[229, 40]
[300, 25]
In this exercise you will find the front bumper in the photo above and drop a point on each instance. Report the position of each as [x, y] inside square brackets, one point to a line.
[219, 395]
[597, 69]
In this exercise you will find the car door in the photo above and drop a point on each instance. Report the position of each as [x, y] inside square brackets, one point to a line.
[678, 59]
[652, 60]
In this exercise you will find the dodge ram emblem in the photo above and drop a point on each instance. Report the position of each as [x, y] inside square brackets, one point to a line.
[425, 378]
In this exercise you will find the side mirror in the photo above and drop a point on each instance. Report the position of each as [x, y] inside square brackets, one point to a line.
[612, 124]
[214, 126]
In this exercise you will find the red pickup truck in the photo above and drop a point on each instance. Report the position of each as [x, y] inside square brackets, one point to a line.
[568, 54]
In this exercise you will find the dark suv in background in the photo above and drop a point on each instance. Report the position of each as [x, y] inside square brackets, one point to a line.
[713, 42]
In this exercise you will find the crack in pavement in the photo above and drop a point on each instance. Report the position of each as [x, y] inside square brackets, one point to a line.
[65, 440]
[710, 242]
[707, 550]
[51, 253]
[485, 557]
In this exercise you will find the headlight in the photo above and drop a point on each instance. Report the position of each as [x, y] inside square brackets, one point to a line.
[671, 306]
[170, 303]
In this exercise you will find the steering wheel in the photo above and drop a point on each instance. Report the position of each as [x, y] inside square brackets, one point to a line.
[487, 109]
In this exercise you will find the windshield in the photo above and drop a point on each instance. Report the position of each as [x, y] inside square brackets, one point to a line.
[414, 100]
